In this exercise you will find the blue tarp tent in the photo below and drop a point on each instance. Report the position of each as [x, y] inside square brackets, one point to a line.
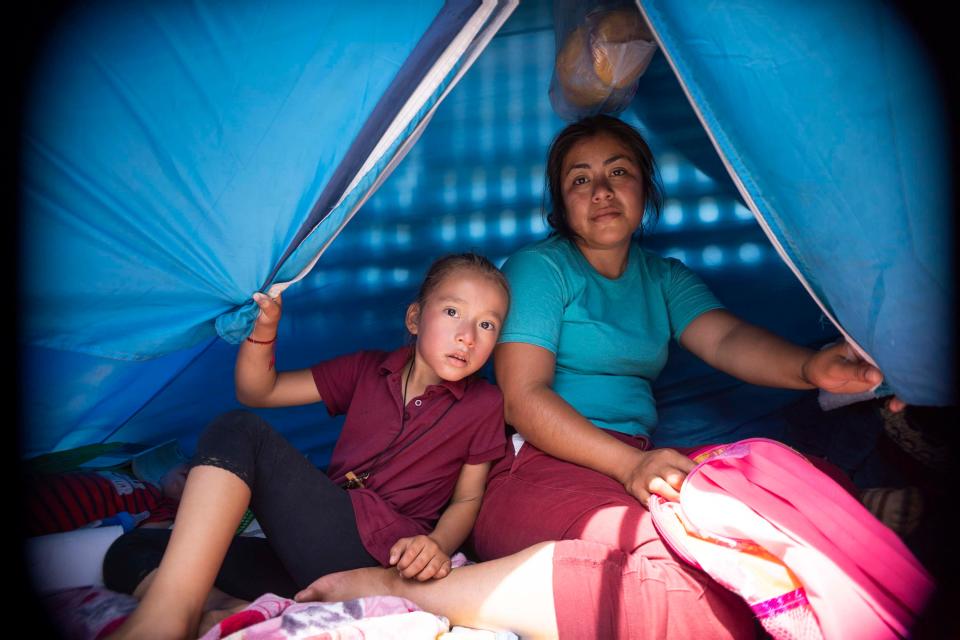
[251, 134]
[178, 157]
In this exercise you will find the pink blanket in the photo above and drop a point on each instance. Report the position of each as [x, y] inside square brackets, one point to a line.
[809, 559]
[271, 617]
[91, 613]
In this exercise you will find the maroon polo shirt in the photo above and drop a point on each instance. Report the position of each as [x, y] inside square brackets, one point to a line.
[452, 423]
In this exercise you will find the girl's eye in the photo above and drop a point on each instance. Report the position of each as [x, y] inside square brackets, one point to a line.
[486, 325]
[579, 180]
[618, 172]
[450, 311]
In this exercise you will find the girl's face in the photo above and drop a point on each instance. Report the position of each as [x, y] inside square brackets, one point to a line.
[603, 192]
[458, 326]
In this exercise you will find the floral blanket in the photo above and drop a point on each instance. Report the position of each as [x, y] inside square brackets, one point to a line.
[271, 617]
[91, 613]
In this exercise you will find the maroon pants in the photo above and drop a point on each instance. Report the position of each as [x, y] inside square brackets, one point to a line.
[613, 577]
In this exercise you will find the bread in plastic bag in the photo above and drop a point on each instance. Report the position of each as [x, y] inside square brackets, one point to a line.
[602, 50]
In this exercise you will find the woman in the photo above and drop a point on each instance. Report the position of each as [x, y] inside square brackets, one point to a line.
[585, 338]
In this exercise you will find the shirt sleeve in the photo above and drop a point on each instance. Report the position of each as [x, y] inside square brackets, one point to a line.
[337, 379]
[687, 296]
[489, 441]
[536, 301]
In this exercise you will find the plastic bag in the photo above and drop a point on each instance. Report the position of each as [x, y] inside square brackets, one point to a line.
[602, 50]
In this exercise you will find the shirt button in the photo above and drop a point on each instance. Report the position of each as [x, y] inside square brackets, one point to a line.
[406, 415]
[418, 402]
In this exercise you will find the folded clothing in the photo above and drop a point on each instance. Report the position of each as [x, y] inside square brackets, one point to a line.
[67, 501]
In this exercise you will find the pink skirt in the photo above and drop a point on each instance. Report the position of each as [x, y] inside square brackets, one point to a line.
[613, 576]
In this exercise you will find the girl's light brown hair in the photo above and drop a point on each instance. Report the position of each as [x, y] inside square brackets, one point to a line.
[446, 265]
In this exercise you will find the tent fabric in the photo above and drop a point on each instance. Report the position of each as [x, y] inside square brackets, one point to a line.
[172, 153]
[327, 219]
[829, 119]
[658, 93]
[216, 220]
[73, 399]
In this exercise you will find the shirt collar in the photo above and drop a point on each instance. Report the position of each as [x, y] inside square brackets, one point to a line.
[394, 362]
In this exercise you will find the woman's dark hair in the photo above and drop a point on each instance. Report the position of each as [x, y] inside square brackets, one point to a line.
[444, 266]
[589, 128]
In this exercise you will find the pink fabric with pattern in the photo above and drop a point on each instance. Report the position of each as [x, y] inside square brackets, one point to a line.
[756, 504]
[271, 617]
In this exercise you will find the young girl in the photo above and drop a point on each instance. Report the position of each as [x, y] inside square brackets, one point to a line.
[420, 433]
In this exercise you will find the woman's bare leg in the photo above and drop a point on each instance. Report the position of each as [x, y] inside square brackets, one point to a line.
[514, 593]
[177, 593]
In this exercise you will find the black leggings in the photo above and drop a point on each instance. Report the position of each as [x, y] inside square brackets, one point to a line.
[309, 521]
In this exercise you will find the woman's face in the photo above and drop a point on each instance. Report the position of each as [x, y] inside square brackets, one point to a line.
[603, 192]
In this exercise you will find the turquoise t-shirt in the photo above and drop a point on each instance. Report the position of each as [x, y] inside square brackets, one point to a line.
[610, 337]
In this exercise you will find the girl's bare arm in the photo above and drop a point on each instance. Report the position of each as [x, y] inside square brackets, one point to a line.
[257, 381]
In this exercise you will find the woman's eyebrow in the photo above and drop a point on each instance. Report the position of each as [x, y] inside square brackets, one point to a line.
[615, 158]
[610, 160]
[579, 165]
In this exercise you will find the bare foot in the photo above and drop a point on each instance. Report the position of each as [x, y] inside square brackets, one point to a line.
[347, 585]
